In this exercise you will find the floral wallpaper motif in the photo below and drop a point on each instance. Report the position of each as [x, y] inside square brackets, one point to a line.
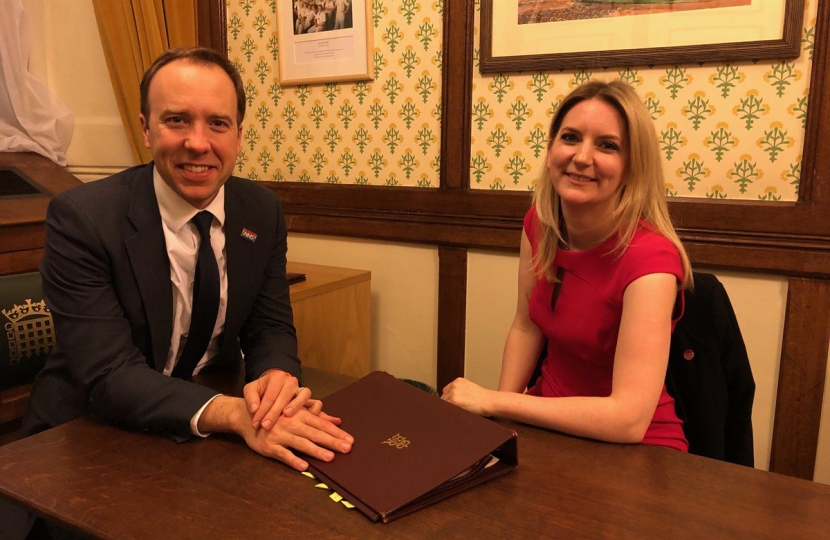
[731, 130]
[726, 130]
[381, 132]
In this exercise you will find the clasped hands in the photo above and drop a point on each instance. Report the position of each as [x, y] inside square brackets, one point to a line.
[282, 416]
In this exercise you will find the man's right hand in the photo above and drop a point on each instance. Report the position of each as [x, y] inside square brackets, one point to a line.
[306, 432]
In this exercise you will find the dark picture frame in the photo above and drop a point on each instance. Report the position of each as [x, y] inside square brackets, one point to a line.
[787, 46]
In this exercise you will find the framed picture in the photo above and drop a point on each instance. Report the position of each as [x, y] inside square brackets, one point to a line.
[538, 35]
[323, 41]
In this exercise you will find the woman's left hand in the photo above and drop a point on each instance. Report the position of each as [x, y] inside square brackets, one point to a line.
[468, 395]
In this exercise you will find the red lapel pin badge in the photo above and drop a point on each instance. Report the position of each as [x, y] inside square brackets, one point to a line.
[248, 235]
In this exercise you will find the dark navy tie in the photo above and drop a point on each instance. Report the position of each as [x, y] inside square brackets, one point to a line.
[205, 301]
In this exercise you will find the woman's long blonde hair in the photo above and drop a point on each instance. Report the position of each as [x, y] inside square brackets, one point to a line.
[641, 194]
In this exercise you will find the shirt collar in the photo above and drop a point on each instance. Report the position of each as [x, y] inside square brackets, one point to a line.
[176, 212]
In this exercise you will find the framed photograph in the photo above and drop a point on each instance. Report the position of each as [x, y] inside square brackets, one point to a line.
[537, 35]
[323, 41]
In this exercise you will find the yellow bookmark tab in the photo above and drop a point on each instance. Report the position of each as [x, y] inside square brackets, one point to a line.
[321, 486]
[347, 504]
[306, 473]
[336, 497]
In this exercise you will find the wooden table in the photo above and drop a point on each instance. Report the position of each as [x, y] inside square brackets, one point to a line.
[332, 317]
[112, 483]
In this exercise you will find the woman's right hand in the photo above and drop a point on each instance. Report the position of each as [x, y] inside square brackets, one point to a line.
[470, 396]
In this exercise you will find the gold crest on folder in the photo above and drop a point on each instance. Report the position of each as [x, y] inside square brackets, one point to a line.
[398, 441]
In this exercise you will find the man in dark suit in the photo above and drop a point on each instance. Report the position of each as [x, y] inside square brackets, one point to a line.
[118, 268]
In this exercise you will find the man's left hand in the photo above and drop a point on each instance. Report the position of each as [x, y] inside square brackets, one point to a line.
[274, 393]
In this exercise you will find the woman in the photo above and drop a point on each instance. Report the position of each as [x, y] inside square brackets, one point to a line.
[601, 275]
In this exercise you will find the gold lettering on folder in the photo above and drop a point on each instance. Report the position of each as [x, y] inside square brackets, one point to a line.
[398, 441]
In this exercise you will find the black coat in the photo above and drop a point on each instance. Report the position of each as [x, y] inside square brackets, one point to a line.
[709, 376]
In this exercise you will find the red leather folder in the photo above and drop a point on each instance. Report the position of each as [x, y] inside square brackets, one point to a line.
[411, 448]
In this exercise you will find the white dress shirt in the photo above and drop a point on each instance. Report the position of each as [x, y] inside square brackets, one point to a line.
[182, 240]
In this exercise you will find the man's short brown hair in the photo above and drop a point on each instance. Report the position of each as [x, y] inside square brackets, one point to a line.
[196, 55]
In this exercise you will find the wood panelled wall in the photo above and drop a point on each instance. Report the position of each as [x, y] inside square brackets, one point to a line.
[790, 239]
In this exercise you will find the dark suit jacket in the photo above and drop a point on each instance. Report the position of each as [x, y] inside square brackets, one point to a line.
[106, 278]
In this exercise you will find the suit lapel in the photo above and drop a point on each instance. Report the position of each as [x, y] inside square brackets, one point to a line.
[151, 266]
[240, 257]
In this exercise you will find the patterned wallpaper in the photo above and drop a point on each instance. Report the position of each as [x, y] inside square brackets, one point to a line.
[381, 132]
[726, 130]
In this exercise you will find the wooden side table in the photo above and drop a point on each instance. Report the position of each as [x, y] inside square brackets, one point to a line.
[331, 314]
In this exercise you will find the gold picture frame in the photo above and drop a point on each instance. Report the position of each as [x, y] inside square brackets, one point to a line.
[327, 48]
[729, 30]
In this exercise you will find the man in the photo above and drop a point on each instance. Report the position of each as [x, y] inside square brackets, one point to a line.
[319, 21]
[119, 260]
[329, 9]
[308, 22]
[340, 17]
